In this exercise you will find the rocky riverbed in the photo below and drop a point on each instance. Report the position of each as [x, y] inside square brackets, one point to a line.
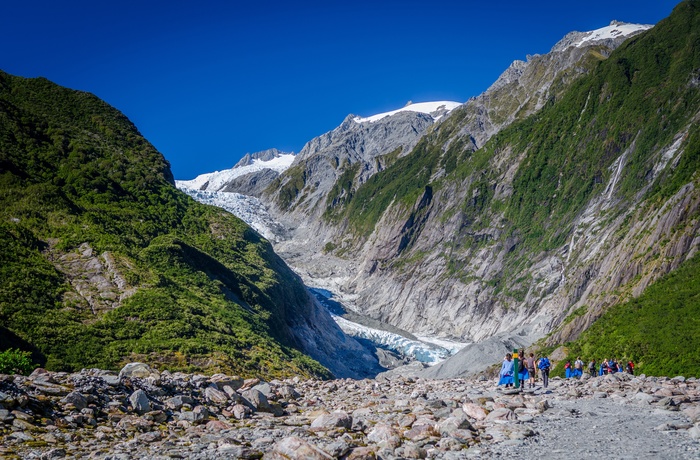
[143, 413]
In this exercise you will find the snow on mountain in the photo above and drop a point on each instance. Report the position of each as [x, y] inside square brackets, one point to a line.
[614, 30]
[216, 180]
[436, 109]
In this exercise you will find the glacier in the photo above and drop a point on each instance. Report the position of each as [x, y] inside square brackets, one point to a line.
[427, 350]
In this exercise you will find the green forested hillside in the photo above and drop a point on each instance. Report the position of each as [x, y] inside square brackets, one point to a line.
[176, 283]
[658, 331]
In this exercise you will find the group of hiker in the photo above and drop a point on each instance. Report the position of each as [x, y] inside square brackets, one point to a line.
[608, 366]
[528, 366]
[527, 369]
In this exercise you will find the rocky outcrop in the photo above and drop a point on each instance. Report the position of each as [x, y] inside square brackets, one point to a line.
[97, 281]
[252, 184]
[302, 190]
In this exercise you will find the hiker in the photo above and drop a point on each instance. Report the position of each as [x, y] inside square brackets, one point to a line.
[612, 366]
[592, 368]
[630, 367]
[506, 374]
[530, 364]
[567, 368]
[604, 367]
[578, 368]
[543, 365]
[523, 373]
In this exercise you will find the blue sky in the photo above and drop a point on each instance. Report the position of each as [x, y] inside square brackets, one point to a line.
[208, 81]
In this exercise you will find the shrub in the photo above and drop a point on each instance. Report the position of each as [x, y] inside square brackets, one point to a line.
[16, 362]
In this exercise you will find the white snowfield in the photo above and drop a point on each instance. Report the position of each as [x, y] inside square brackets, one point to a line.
[614, 30]
[218, 179]
[436, 109]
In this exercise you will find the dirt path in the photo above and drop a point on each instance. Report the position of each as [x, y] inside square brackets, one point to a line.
[603, 428]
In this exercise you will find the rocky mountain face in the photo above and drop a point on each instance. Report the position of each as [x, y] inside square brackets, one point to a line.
[345, 157]
[254, 182]
[569, 186]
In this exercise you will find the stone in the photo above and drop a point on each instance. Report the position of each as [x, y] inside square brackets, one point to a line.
[256, 399]
[215, 396]
[264, 388]
[295, 448]
[76, 399]
[135, 370]
[420, 432]
[694, 432]
[288, 392]
[217, 425]
[474, 411]
[336, 419]
[451, 424]
[222, 380]
[197, 415]
[176, 402]
[644, 398]
[385, 436]
[240, 411]
[361, 453]
[501, 414]
[149, 437]
[157, 416]
[234, 451]
[414, 451]
[139, 402]
[54, 453]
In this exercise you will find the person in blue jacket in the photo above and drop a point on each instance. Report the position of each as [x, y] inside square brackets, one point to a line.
[543, 364]
[506, 374]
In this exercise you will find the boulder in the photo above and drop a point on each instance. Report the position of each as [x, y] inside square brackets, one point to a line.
[336, 419]
[75, 398]
[256, 399]
[295, 448]
[215, 396]
[136, 370]
[139, 402]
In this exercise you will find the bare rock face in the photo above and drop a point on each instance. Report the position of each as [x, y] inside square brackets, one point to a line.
[324, 159]
[97, 280]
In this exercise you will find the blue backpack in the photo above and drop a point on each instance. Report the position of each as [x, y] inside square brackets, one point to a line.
[544, 363]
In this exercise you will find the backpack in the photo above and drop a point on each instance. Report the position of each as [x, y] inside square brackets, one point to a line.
[544, 363]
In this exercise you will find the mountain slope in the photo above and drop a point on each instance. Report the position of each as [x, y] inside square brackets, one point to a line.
[103, 261]
[568, 187]
[560, 215]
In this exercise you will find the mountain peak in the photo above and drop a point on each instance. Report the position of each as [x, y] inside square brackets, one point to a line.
[273, 159]
[436, 109]
[616, 30]
[265, 155]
